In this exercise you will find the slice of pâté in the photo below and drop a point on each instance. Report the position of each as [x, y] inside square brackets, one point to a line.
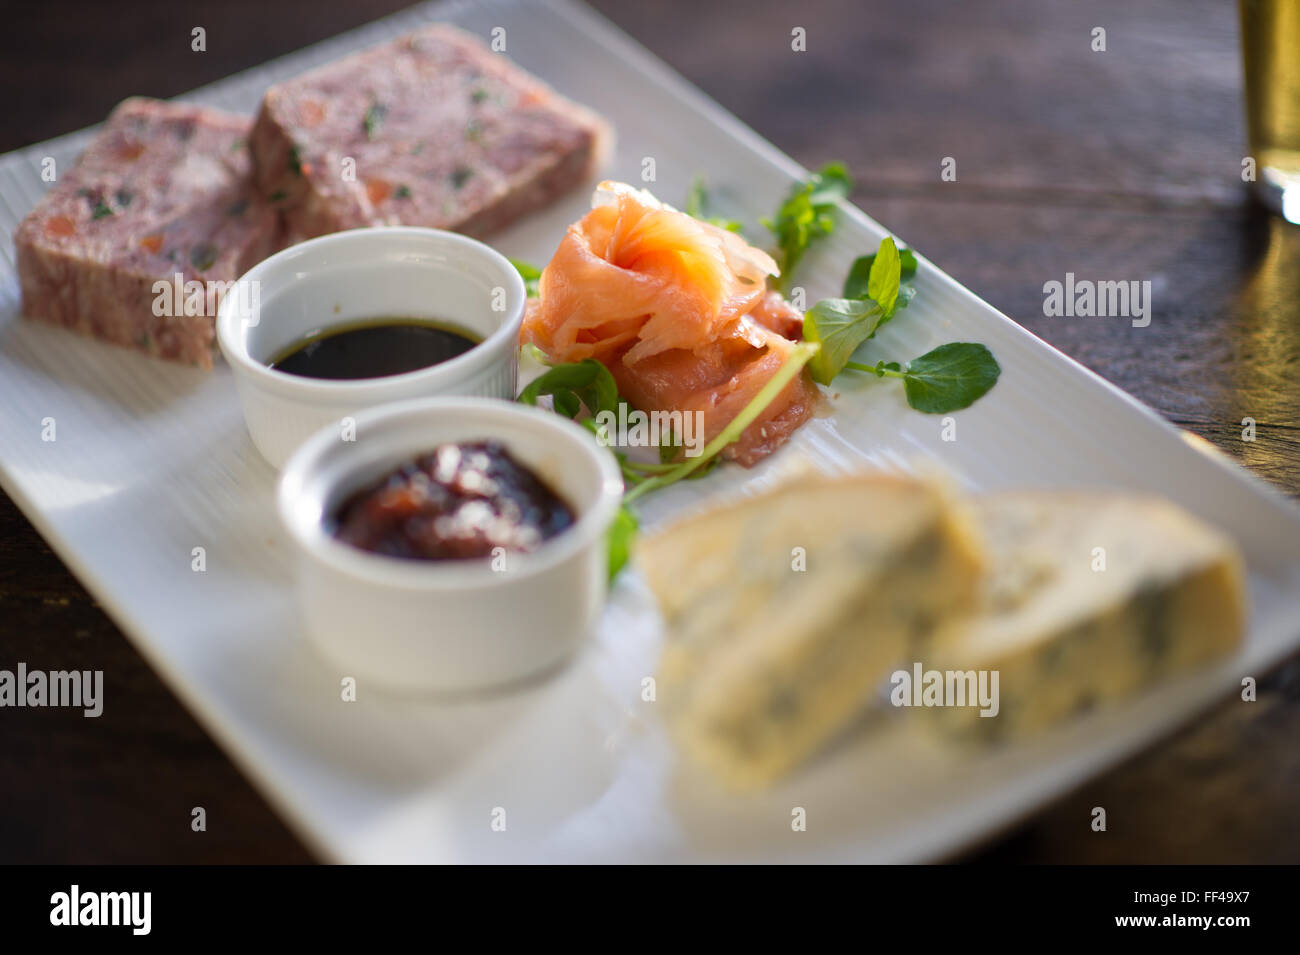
[163, 190]
[431, 129]
[1090, 598]
[785, 611]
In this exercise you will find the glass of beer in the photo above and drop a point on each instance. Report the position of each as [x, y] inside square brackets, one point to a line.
[1270, 47]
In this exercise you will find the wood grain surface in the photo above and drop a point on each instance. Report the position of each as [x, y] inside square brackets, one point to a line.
[1122, 164]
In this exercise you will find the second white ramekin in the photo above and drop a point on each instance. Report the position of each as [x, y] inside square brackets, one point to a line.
[449, 625]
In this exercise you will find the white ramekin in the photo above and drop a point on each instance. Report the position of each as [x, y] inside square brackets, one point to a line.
[449, 625]
[366, 273]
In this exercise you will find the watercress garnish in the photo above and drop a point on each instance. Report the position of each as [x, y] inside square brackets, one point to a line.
[807, 214]
[622, 535]
[841, 325]
[573, 387]
[884, 275]
[855, 284]
[948, 378]
[945, 379]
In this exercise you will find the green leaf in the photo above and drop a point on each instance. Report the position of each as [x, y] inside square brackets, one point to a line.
[855, 285]
[575, 386]
[622, 534]
[807, 215]
[530, 274]
[882, 280]
[951, 377]
[839, 326]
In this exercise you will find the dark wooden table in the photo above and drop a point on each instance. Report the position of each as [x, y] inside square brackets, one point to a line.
[1122, 164]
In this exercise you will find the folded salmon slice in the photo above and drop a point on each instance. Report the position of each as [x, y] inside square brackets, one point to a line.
[678, 310]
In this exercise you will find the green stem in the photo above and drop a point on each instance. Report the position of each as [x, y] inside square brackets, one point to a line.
[878, 372]
[775, 385]
[638, 472]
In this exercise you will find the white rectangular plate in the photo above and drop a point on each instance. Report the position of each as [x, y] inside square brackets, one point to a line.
[151, 461]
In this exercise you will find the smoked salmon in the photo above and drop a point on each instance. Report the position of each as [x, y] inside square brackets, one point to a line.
[678, 310]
